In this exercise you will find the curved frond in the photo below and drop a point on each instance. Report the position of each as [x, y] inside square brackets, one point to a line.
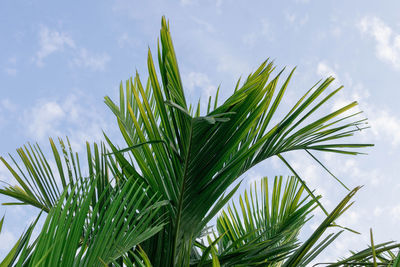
[22, 245]
[263, 226]
[177, 165]
[308, 251]
[74, 234]
[41, 186]
[384, 254]
[192, 160]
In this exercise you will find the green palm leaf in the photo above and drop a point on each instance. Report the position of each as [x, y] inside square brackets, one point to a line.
[192, 160]
[263, 228]
[74, 234]
[384, 254]
[183, 165]
[41, 186]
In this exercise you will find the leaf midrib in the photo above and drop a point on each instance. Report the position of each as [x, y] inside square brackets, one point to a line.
[181, 192]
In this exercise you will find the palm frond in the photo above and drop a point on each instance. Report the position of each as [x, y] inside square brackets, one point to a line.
[40, 185]
[263, 227]
[384, 254]
[75, 234]
[188, 159]
[192, 161]
[306, 252]
[21, 248]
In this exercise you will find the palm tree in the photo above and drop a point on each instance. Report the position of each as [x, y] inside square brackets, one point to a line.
[152, 203]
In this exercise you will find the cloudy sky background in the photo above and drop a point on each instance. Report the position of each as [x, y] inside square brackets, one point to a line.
[58, 61]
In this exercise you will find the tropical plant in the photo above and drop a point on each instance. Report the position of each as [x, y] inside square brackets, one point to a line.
[152, 203]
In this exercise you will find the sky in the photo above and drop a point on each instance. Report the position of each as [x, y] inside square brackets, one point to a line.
[59, 59]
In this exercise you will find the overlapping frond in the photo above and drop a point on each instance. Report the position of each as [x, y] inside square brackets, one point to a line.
[41, 186]
[188, 159]
[262, 231]
[192, 160]
[76, 234]
[22, 244]
[384, 254]
[263, 227]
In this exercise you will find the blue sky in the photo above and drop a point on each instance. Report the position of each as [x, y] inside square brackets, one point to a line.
[58, 61]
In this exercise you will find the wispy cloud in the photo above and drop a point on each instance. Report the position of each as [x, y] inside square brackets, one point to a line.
[385, 125]
[199, 85]
[52, 41]
[10, 68]
[296, 20]
[46, 119]
[187, 2]
[126, 40]
[204, 24]
[91, 61]
[324, 70]
[264, 31]
[302, 1]
[8, 239]
[218, 3]
[72, 116]
[10, 71]
[7, 104]
[387, 46]
[7, 108]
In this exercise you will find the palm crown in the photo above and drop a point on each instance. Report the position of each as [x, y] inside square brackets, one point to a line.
[151, 203]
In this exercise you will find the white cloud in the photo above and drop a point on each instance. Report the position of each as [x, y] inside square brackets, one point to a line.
[311, 174]
[336, 31]
[290, 17]
[72, 117]
[250, 39]
[204, 24]
[350, 218]
[44, 119]
[218, 3]
[302, 1]
[51, 42]
[7, 240]
[11, 71]
[395, 212]
[378, 211]
[91, 61]
[199, 84]
[352, 91]
[324, 70]
[232, 64]
[187, 2]
[253, 176]
[125, 40]
[6, 110]
[337, 25]
[385, 125]
[296, 20]
[387, 42]
[264, 31]
[12, 60]
[5, 175]
[7, 104]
